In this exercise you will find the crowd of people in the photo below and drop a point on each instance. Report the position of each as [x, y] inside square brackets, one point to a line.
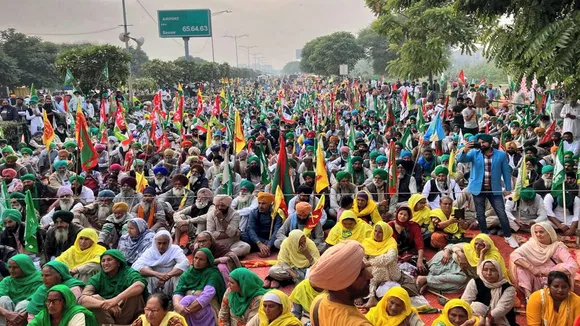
[387, 191]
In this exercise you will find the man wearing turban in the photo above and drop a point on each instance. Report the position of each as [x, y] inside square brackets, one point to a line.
[192, 220]
[523, 213]
[115, 225]
[60, 176]
[162, 183]
[11, 163]
[260, 233]
[343, 188]
[297, 221]
[340, 163]
[96, 213]
[379, 187]
[543, 186]
[440, 187]
[361, 176]
[150, 210]
[245, 202]
[62, 234]
[223, 222]
[178, 197]
[304, 194]
[128, 194]
[80, 191]
[12, 183]
[13, 233]
[65, 202]
[253, 171]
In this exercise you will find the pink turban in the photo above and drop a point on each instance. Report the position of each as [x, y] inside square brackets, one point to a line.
[344, 149]
[9, 173]
[100, 147]
[338, 267]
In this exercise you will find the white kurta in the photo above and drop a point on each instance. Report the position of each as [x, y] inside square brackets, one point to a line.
[572, 125]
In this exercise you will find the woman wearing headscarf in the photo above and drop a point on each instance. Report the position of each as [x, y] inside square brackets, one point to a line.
[84, 257]
[456, 313]
[137, 239]
[531, 263]
[408, 236]
[421, 214]
[60, 308]
[225, 259]
[24, 279]
[451, 268]
[445, 227]
[395, 309]
[157, 313]
[242, 298]
[349, 227]
[275, 311]
[554, 305]
[365, 208]
[297, 254]
[491, 294]
[200, 290]
[302, 296]
[116, 294]
[162, 264]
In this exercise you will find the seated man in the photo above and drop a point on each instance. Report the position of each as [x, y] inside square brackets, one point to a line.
[297, 221]
[223, 223]
[12, 183]
[60, 177]
[178, 197]
[18, 203]
[150, 210]
[440, 187]
[42, 196]
[305, 195]
[95, 214]
[65, 202]
[162, 183]
[128, 194]
[192, 220]
[543, 186]
[13, 233]
[115, 225]
[61, 235]
[245, 202]
[528, 210]
[80, 191]
[555, 211]
[260, 233]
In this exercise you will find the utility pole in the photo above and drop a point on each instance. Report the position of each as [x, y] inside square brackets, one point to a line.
[236, 37]
[255, 55]
[212, 47]
[248, 48]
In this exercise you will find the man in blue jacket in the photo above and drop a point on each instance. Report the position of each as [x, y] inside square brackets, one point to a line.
[489, 166]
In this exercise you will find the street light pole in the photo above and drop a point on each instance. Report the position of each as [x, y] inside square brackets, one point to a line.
[129, 82]
[248, 48]
[212, 46]
[236, 37]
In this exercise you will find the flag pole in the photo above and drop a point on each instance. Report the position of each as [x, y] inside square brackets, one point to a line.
[564, 199]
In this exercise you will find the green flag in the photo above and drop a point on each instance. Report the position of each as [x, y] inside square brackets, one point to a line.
[420, 120]
[559, 172]
[227, 176]
[351, 138]
[68, 78]
[31, 227]
[265, 173]
[407, 140]
[105, 72]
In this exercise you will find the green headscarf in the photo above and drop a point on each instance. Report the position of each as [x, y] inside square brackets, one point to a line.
[71, 308]
[19, 289]
[36, 300]
[109, 287]
[194, 280]
[251, 286]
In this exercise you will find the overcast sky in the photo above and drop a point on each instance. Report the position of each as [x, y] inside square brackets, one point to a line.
[276, 27]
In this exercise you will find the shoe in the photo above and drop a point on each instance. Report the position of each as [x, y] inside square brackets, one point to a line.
[500, 232]
[512, 242]
[493, 232]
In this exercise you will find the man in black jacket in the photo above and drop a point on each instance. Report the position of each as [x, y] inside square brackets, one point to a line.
[13, 234]
[62, 235]
[8, 112]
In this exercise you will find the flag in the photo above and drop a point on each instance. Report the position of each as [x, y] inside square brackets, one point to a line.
[105, 72]
[351, 138]
[392, 169]
[227, 176]
[88, 154]
[208, 136]
[407, 140]
[548, 135]
[549, 105]
[199, 103]
[48, 134]
[435, 131]
[559, 175]
[524, 86]
[321, 174]
[315, 216]
[142, 182]
[280, 206]
[31, 227]
[420, 120]
[462, 77]
[103, 125]
[216, 108]
[282, 177]
[121, 126]
[451, 165]
[178, 117]
[68, 78]
[264, 172]
[239, 139]
[4, 201]
[522, 180]
[391, 120]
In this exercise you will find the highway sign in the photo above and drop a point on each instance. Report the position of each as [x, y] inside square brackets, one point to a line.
[184, 23]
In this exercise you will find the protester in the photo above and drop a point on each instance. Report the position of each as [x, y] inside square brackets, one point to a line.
[541, 308]
[349, 227]
[61, 306]
[15, 289]
[456, 312]
[157, 313]
[84, 257]
[395, 309]
[297, 254]
[242, 298]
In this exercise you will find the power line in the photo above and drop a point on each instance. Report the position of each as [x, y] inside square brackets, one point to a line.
[72, 34]
[155, 21]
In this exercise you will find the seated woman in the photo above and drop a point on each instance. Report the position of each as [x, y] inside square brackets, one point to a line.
[445, 227]
[60, 308]
[225, 259]
[84, 257]
[162, 264]
[242, 298]
[456, 313]
[395, 309]
[115, 294]
[297, 254]
[409, 238]
[491, 294]
[200, 290]
[302, 297]
[349, 227]
[451, 268]
[24, 279]
[157, 313]
[53, 273]
[275, 310]
[365, 208]
[554, 305]
[421, 215]
[531, 263]
[137, 239]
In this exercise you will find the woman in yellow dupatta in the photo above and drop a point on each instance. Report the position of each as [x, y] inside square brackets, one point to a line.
[394, 309]
[444, 224]
[366, 208]
[350, 227]
[84, 257]
[483, 245]
[157, 313]
[374, 247]
[275, 311]
[456, 313]
[297, 254]
[554, 305]
[421, 211]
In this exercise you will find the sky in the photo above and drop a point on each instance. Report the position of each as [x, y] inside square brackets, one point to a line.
[276, 27]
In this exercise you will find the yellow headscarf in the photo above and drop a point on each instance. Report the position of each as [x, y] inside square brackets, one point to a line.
[443, 319]
[421, 217]
[339, 233]
[452, 229]
[374, 248]
[473, 257]
[75, 257]
[165, 321]
[371, 209]
[290, 254]
[303, 294]
[378, 315]
[286, 318]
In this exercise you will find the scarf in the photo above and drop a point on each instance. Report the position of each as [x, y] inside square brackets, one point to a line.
[286, 318]
[339, 233]
[496, 287]
[133, 247]
[566, 313]
[370, 210]
[110, 286]
[291, 255]
[376, 248]
[152, 258]
[165, 321]
[151, 218]
[443, 319]
[251, 286]
[423, 216]
[71, 308]
[304, 294]
[196, 279]
[378, 315]
[452, 229]
[473, 257]
[36, 301]
[21, 288]
[75, 257]
[535, 252]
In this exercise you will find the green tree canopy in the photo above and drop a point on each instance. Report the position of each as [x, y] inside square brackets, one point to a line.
[138, 58]
[292, 67]
[325, 54]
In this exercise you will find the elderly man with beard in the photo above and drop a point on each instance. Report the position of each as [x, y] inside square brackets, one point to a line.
[162, 184]
[245, 202]
[297, 221]
[305, 195]
[169, 160]
[95, 214]
[80, 191]
[260, 233]
[65, 202]
[523, 213]
[216, 168]
[341, 162]
[241, 163]
[41, 194]
[150, 210]
[60, 177]
[344, 188]
[12, 183]
[543, 186]
[406, 183]
[192, 220]
[197, 180]
[361, 176]
[223, 223]
[379, 188]
[128, 194]
[115, 225]
[10, 163]
[13, 234]
[253, 172]
[178, 197]
[61, 235]
[440, 187]
[17, 202]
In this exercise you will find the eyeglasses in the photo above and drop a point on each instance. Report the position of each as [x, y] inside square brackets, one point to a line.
[49, 302]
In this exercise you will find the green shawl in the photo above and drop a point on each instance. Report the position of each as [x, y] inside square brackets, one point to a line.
[109, 287]
[251, 286]
[71, 308]
[19, 289]
[36, 301]
[194, 280]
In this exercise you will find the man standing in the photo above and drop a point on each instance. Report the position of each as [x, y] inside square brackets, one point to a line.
[570, 114]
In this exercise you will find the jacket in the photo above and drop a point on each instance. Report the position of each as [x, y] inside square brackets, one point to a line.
[499, 168]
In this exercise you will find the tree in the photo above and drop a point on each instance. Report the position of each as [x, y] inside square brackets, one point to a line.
[9, 72]
[376, 47]
[325, 54]
[292, 67]
[364, 69]
[145, 83]
[422, 33]
[138, 58]
[164, 73]
[87, 63]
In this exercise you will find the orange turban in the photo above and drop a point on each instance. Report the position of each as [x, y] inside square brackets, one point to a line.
[338, 267]
[266, 197]
[303, 208]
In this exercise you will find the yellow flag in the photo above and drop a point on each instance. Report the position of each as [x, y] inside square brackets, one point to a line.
[208, 136]
[279, 204]
[522, 180]
[451, 166]
[321, 175]
[142, 182]
[48, 134]
[239, 139]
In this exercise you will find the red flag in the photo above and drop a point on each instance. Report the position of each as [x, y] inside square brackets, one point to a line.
[119, 119]
[88, 154]
[103, 122]
[394, 88]
[392, 168]
[391, 119]
[482, 81]
[315, 216]
[548, 135]
[216, 107]
[199, 103]
[462, 77]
